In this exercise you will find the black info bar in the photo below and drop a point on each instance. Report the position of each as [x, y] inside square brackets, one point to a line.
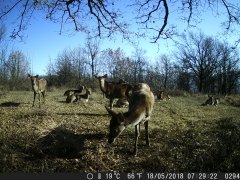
[121, 176]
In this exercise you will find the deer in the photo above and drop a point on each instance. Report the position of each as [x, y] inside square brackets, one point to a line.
[122, 102]
[71, 98]
[73, 91]
[213, 101]
[39, 87]
[162, 96]
[113, 90]
[77, 97]
[139, 111]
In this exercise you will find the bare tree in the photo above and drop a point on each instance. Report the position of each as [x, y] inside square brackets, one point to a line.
[165, 69]
[117, 64]
[64, 68]
[92, 51]
[198, 54]
[3, 67]
[211, 64]
[69, 68]
[139, 65]
[107, 17]
[228, 70]
[17, 65]
[2, 32]
[3, 55]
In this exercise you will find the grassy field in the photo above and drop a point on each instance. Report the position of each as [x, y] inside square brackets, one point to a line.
[61, 137]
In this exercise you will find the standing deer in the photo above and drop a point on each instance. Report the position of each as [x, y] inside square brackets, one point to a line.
[113, 90]
[39, 87]
[140, 108]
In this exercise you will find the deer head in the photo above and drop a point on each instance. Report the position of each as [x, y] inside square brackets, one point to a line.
[116, 125]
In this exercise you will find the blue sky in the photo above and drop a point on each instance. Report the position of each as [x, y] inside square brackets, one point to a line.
[42, 41]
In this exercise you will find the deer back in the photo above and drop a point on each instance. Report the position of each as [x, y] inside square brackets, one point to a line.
[117, 90]
[141, 101]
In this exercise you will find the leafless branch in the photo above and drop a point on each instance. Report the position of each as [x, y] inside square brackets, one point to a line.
[10, 9]
[70, 14]
[150, 12]
[231, 17]
[165, 21]
[16, 33]
[105, 19]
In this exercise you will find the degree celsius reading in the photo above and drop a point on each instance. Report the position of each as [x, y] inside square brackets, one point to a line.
[113, 175]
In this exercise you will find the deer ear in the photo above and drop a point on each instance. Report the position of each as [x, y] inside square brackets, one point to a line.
[111, 112]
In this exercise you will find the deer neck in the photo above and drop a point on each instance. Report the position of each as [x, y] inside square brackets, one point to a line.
[133, 118]
[102, 85]
[35, 85]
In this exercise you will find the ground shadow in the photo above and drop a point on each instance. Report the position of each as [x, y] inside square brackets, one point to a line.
[83, 114]
[216, 149]
[62, 143]
[9, 104]
[62, 101]
[226, 154]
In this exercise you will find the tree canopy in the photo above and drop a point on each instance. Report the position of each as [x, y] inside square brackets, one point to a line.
[105, 18]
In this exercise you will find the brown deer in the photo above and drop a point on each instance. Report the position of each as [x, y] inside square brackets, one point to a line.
[113, 90]
[39, 87]
[213, 101]
[139, 111]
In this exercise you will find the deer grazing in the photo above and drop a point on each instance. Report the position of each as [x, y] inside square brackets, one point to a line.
[213, 101]
[78, 97]
[113, 90]
[39, 87]
[139, 111]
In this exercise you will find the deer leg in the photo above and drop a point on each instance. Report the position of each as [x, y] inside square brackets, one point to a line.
[111, 103]
[43, 95]
[39, 99]
[146, 133]
[137, 128]
[34, 97]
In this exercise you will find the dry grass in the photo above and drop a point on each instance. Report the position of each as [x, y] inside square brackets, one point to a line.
[61, 137]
